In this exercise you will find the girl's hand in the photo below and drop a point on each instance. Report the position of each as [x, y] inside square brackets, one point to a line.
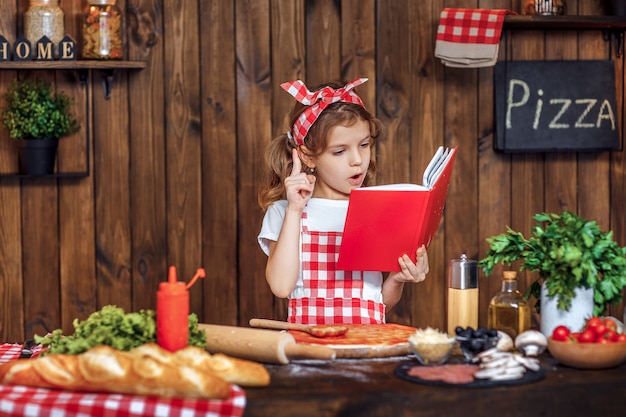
[299, 185]
[412, 272]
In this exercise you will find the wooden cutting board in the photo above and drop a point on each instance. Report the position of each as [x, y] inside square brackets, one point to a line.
[364, 340]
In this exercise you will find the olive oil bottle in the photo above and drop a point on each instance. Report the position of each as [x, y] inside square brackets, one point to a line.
[508, 310]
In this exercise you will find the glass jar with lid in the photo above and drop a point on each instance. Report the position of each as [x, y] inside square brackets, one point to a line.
[44, 18]
[102, 30]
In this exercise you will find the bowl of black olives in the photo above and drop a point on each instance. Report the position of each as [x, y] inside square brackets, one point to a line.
[472, 342]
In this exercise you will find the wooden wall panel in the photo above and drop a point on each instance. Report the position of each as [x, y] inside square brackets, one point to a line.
[176, 151]
[147, 173]
[527, 175]
[183, 138]
[288, 58]
[394, 85]
[77, 220]
[11, 266]
[460, 122]
[12, 320]
[111, 175]
[288, 61]
[358, 47]
[40, 250]
[494, 176]
[253, 130]
[607, 202]
[323, 34]
[560, 167]
[424, 301]
[112, 210]
[219, 163]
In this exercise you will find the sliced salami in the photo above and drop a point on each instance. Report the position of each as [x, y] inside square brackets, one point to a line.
[455, 374]
[451, 374]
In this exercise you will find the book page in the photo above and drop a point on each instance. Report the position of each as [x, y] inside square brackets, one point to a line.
[431, 167]
[394, 187]
[444, 161]
[438, 167]
[431, 174]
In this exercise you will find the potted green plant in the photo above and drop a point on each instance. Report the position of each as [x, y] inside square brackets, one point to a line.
[570, 254]
[36, 117]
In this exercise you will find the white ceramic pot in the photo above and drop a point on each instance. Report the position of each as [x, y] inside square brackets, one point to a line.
[580, 310]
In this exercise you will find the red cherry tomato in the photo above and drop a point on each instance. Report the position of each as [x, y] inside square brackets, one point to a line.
[587, 336]
[600, 330]
[610, 324]
[560, 333]
[609, 335]
[621, 338]
[592, 323]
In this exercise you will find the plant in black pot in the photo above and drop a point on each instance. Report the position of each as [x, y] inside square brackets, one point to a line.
[37, 117]
[571, 254]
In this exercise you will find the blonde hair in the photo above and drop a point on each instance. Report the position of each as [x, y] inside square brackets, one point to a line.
[278, 160]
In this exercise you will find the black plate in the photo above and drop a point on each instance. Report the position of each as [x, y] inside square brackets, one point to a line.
[402, 370]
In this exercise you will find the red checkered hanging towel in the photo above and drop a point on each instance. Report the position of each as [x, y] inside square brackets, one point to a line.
[469, 37]
[317, 101]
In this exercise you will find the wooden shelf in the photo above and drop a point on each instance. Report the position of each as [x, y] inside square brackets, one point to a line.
[77, 64]
[568, 22]
[84, 67]
[54, 175]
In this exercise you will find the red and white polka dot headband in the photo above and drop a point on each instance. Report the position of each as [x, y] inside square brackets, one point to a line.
[317, 102]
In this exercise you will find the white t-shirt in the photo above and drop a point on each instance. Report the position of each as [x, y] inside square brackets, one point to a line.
[323, 215]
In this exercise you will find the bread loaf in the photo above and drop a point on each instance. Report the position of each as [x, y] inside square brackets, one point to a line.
[146, 370]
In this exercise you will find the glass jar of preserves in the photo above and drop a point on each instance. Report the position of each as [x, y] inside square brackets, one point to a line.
[102, 30]
[44, 18]
[544, 7]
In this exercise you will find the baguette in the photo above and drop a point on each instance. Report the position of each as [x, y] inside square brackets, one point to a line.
[236, 371]
[146, 370]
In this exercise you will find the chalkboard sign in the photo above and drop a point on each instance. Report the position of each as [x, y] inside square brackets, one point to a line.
[544, 106]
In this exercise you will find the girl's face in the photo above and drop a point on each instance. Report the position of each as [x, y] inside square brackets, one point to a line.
[341, 167]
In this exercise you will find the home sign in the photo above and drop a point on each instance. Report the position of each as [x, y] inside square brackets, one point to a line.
[42, 50]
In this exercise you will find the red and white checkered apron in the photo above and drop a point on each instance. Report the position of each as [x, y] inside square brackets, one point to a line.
[334, 296]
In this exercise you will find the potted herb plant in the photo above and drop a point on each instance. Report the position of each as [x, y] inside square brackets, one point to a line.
[570, 254]
[36, 117]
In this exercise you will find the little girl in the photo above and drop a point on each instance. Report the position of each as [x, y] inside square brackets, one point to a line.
[311, 171]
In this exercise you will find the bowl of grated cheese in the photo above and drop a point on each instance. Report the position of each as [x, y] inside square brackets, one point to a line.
[430, 346]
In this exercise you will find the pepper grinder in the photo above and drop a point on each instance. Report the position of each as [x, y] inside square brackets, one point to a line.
[462, 293]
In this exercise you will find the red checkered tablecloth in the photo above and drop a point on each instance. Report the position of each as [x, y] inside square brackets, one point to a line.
[27, 401]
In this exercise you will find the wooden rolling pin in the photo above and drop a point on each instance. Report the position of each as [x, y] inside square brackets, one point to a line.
[260, 345]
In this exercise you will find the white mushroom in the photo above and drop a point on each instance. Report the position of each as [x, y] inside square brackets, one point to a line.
[531, 343]
[505, 342]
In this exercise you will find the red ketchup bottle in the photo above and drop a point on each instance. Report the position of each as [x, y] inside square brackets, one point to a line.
[172, 311]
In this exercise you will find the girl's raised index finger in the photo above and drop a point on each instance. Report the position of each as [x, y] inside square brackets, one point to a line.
[297, 164]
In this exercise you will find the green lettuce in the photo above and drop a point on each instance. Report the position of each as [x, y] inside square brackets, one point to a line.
[113, 327]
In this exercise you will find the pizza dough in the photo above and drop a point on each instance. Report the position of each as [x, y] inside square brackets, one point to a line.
[364, 340]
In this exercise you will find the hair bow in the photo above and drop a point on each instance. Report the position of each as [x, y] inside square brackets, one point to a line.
[317, 102]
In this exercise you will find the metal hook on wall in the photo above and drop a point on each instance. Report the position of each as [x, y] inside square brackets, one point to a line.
[617, 36]
[107, 82]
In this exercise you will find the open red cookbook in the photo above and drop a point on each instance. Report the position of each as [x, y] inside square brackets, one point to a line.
[384, 222]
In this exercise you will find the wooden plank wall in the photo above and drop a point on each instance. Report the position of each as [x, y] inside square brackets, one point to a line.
[176, 151]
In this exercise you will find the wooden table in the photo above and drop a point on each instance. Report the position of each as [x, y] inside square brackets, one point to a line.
[370, 388]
